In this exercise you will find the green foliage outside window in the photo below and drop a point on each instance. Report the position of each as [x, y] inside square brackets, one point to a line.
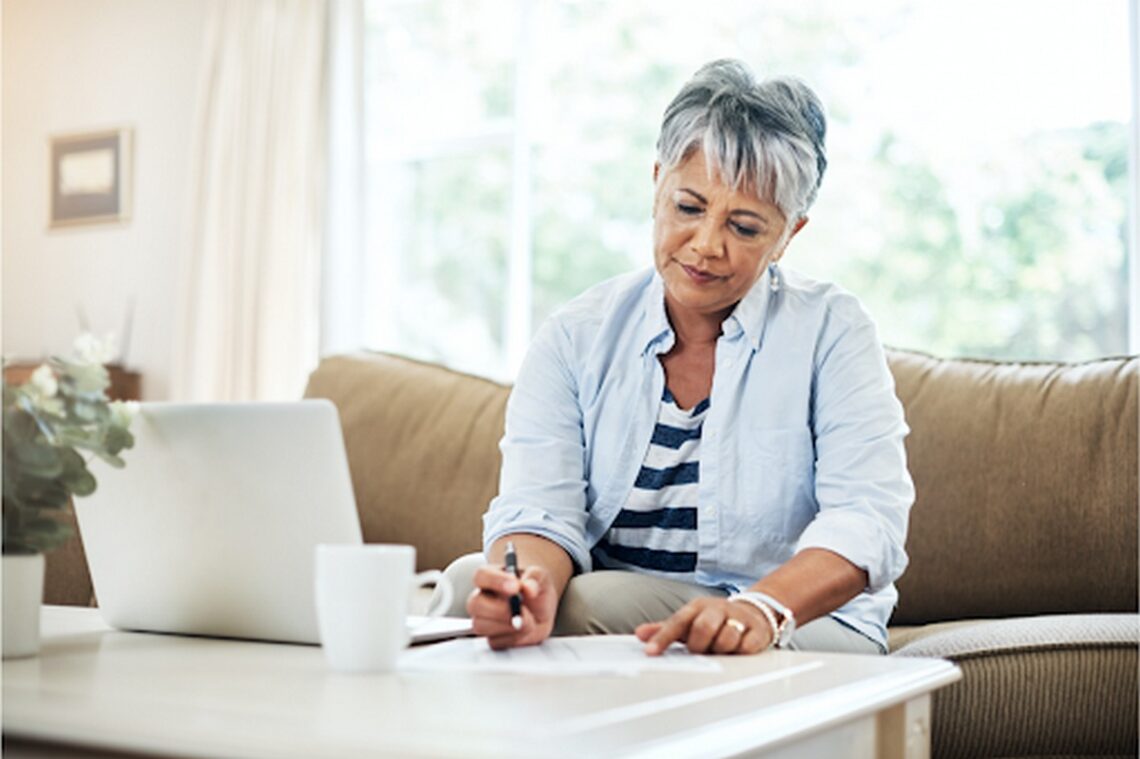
[1009, 245]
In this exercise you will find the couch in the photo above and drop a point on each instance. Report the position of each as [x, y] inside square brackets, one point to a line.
[1022, 542]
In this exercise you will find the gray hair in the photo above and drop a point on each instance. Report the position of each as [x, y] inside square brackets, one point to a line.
[762, 137]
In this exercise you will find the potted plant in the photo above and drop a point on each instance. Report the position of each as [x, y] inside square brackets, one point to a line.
[50, 423]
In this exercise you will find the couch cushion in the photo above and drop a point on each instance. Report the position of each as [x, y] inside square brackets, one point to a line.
[965, 639]
[1026, 487]
[899, 636]
[1063, 685]
[422, 446]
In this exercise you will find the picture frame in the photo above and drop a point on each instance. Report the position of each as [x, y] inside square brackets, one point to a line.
[90, 178]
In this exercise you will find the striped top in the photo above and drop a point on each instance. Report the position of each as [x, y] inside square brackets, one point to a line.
[656, 530]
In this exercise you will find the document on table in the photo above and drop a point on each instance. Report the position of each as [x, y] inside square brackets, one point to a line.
[580, 655]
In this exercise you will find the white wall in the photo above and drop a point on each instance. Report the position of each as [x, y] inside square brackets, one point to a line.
[80, 65]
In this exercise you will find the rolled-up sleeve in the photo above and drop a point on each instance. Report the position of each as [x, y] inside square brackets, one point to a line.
[862, 485]
[542, 484]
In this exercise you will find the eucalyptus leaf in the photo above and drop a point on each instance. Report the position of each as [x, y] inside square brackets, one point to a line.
[80, 437]
[86, 411]
[40, 493]
[20, 424]
[84, 485]
[35, 419]
[76, 477]
[117, 439]
[38, 460]
[111, 459]
[43, 536]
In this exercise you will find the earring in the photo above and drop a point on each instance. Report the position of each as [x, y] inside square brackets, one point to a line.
[773, 278]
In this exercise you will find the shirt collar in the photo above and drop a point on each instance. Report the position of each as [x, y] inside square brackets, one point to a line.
[657, 328]
[751, 313]
[749, 316]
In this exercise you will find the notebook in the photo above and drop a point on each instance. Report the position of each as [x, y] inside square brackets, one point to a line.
[211, 527]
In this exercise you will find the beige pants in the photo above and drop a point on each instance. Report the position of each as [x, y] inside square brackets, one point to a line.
[613, 602]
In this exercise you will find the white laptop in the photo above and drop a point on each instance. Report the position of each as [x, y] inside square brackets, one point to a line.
[211, 527]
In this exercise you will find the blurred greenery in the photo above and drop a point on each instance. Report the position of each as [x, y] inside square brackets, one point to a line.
[1044, 276]
[997, 247]
[459, 245]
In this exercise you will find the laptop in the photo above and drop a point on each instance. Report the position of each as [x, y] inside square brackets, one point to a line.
[211, 527]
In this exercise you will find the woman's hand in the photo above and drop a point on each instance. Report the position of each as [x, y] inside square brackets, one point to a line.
[709, 626]
[490, 609]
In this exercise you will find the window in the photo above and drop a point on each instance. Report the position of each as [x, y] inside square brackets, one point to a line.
[976, 200]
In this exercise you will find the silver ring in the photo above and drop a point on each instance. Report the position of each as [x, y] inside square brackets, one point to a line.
[737, 625]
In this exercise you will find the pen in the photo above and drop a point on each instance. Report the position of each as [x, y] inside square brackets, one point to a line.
[515, 600]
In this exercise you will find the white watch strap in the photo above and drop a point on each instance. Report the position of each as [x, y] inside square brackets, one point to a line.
[783, 630]
[766, 610]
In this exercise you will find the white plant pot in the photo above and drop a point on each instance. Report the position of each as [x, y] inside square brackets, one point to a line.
[23, 595]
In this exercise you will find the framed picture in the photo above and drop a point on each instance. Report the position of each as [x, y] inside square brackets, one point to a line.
[90, 178]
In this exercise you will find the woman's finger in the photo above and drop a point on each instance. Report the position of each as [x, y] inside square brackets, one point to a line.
[756, 640]
[730, 636]
[488, 605]
[490, 628]
[492, 579]
[646, 630]
[704, 628]
[673, 629]
[503, 641]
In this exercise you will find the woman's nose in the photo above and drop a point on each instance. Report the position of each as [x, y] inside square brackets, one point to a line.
[707, 239]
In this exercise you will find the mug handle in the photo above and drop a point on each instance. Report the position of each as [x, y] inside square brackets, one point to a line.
[443, 587]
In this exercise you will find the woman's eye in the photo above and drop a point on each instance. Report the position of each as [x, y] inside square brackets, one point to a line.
[688, 210]
[744, 230]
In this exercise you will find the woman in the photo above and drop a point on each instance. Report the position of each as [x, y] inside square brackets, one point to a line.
[708, 452]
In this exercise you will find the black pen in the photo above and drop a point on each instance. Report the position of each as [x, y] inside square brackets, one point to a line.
[515, 600]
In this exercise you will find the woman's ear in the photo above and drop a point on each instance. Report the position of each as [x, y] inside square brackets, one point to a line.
[800, 222]
[803, 220]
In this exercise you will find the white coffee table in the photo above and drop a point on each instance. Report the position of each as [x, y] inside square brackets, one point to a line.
[103, 690]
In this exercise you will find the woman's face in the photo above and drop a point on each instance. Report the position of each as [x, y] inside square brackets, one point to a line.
[711, 243]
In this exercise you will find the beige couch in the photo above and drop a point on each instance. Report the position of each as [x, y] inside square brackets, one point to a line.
[1023, 538]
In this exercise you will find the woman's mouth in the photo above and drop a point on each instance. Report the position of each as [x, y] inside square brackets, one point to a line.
[700, 277]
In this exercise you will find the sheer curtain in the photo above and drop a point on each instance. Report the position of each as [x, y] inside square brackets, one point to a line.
[249, 317]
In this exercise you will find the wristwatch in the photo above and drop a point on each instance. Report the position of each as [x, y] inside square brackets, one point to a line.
[782, 629]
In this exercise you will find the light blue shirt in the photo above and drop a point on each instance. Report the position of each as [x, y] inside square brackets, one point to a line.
[802, 446]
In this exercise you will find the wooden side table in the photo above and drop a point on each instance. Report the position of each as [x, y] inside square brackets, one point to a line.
[126, 385]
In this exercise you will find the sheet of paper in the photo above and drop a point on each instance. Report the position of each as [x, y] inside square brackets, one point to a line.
[585, 655]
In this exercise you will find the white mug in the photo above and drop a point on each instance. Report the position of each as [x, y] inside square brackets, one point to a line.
[363, 592]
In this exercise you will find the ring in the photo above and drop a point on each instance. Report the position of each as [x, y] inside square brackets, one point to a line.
[737, 625]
